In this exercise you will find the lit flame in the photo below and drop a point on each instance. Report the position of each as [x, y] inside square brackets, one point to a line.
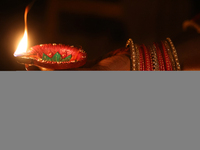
[23, 45]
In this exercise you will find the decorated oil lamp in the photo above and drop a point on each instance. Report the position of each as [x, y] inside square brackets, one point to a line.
[50, 56]
[53, 56]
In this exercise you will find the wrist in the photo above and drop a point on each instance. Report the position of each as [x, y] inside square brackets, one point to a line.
[119, 62]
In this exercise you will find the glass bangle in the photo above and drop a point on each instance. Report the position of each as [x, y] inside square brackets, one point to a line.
[147, 59]
[141, 59]
[154, 58]
[137, 57]
[168, 64]
[160, 58]
[178, 67]
[170, 55]
[131, 45]
[151, 58]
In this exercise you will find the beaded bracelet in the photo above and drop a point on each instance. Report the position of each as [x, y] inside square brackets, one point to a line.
[166, 44]
[131, 45]
[174, 54]
[141, 58]
[154, 58]
[157, 57]
[168, 64]
[160, 58]
[137, 57]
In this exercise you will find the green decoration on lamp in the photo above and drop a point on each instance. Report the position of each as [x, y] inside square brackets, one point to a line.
[56, 58]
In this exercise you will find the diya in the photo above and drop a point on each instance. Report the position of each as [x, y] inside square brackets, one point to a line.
[51, 56]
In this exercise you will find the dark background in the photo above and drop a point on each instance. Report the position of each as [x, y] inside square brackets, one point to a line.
[144, 21]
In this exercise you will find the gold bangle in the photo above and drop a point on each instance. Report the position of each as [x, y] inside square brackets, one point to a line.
[137, 58]
[154, 58]
[178, 67]
[131, 45]
[170, 55]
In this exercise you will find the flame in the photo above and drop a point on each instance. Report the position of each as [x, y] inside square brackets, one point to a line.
[23, 45]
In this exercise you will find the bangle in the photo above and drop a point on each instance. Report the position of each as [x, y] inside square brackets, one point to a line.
[157, 57]
[141, 59]
[137, 57]
[160, 58]
[168, 65]
[178, 68]
[170, 55]
[131, 46]
[147, 58]
[154, 58]
[151, 58]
